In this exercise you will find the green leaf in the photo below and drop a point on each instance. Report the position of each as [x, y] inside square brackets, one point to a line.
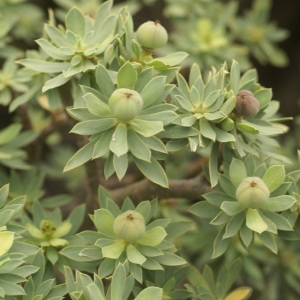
[6, 241]
[147, 128]
[104, 220]
[104, 34]
[240, 293]
[118, 283]
[44, 66]
[150, 293]
[281, 222]
[269, 240]
[213, 165]
[11, 288]
[247, 127]
[231, 208]
[153, 171]
[264, 97]
[114, 250]
[104, 81]
[254, 221]
[204, 209]
[170, 259]
[172, 59]
[234, 225]
[153, 237]
[4, 190]
[220, 244]
[127, 76]
[235, 76]
[137, 146]
[56, 81]
[91, 127]
[153, 89]
[134, 255]
[207, 130]
[118, 144]
[9, 133]
[102, 145]
[279, 203]
[80, 157]
[237, 172]
[120, 164]
[246, 235]
[274, 177]
[52, 51]
[75, 22]
[56, 35]
[96, 106]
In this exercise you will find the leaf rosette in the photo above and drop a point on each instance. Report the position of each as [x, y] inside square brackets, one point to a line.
[204, 108]
[123, 132]
[76, 48]
[251, 200]
[253, 133]
[146, 247]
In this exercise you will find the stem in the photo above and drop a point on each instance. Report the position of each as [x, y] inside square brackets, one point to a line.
[180, 188]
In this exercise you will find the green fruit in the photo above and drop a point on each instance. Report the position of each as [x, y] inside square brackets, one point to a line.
[125, 104]
[152, 35]
[130, 226]
[246, 104]
[252, 192]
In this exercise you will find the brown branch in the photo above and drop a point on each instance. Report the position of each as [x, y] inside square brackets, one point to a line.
[142, 190]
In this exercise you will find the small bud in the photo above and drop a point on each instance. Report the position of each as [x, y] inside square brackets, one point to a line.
[152, 35]
[246, 104]
[47, 227]
[130, 226]
[125, 104]
[252, 192]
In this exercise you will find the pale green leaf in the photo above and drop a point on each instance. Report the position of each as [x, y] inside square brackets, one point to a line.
[9, 133]
[104, 220]
[137, 146]
[274, 177]
[237, 172]
[147, 128]
[114, 250]
[153, 237]
[118, 144]
[44, 66]
[75, 22]
[235, 76]
[127, 76]
[231, 207]
[118, 283]
[153, 171]
[80, 157]
[279, 203]
[134, 255]
[150, 293]
[91, 127]
[153, 89]
[254, 221]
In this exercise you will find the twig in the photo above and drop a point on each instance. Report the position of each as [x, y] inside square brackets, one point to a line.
[192, 189]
